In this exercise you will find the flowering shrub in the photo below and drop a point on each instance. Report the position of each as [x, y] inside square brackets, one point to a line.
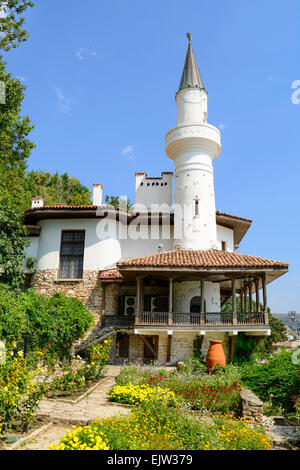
[218, 392]
[137, 394]
[75, 379]
[20, 392]
[138, 373]
[83, 438]
[155, 426]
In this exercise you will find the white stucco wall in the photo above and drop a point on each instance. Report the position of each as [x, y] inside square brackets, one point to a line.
[183, 292]
[149, 191]
[227, 235]
[102, 250]
[32, 249]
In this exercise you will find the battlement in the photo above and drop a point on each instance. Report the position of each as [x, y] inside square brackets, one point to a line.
[153, 190]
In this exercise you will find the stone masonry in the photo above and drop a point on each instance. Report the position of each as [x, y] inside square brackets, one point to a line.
[251, 406]
[89, 289]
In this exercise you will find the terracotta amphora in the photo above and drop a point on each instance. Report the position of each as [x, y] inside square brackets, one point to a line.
[215, 356]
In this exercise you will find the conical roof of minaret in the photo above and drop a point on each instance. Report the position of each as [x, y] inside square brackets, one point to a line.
[190, 77]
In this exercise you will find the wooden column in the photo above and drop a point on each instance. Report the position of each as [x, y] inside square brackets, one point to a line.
[245, 298]
[250, 297]
[170, 317]
[257, 295]
[202, 318]
[103, 304]
[169, 345]
[258, 340]
[265, 298]
[138, 298]
[232, 347]
[234, 317]
[142, 300]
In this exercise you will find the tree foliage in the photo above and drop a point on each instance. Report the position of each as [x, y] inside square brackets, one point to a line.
[117, 202]
[12, 244]
[55, 189]
[276, 380]
[15, 147]
[36, 322]
[11, 23]
[245, 344]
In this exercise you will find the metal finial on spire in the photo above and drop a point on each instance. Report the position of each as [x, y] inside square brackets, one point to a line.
[191, 77]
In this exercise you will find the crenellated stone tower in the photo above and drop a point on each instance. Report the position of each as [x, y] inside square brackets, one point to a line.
[193, 144]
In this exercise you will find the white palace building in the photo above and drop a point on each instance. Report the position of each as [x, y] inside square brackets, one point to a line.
[156, 277]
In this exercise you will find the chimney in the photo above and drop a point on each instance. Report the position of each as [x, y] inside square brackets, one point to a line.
[97, 194]
[37, 202]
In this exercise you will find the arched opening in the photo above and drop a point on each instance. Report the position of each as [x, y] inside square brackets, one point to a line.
[195, 304]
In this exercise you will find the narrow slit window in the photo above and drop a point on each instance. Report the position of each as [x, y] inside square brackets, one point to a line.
[71, 254]
[196, 207]
[224, 246]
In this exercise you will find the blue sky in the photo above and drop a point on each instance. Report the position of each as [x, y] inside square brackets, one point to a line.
[101, 80]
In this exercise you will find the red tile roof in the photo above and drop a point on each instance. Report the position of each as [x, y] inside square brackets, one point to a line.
[287, 344]
[91, 207]
[201, 258]
[233, 216]
[108, 274]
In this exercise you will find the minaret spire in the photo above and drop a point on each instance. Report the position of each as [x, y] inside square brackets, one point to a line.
[193, 144]
[190, 77]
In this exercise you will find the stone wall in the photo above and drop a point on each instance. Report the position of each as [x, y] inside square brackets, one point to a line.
[182, 346]
[251, 406]
[136, 348]
[89, 290]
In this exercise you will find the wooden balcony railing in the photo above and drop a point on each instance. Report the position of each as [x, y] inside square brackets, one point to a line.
[211, 319]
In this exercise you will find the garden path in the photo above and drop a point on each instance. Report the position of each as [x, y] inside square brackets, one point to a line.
[63, 415]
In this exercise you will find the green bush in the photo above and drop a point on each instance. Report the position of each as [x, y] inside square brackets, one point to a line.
[276, 380]
[35, 321]
[20, 392]
[76, 378]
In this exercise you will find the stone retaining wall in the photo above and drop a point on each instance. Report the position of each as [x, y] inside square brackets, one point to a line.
[251, 406]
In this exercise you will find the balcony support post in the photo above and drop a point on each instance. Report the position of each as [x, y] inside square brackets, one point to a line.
[250, 297]
[232, 339]
[257, 296]
[234, 315]
[245, 298]
[241, 301]
[138, 299]
[202, 317]
[265, 298]
[169, 346]
[170, 316]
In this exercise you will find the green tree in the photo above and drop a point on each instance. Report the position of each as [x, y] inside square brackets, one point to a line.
[55, 189]
[12, 244]
[15, 148]
[117, 202]
[278, 331]
[11, 24]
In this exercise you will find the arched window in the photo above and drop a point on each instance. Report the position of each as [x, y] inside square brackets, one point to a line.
[195, 304]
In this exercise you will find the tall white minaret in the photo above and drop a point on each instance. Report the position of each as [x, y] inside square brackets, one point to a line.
[193, 144]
